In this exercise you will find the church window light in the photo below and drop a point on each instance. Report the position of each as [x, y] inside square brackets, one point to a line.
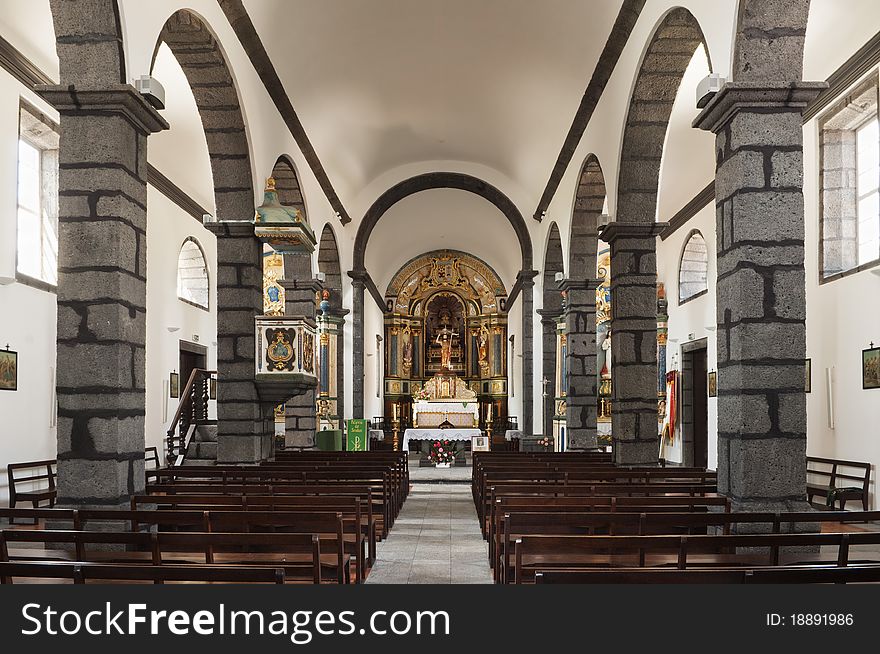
[192, 274]
[37, 198]
[693, 273]
[850, 182]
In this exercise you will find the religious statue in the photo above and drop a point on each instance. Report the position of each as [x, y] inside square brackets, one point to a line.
[444, 340]
[407, 350]
[483, 349]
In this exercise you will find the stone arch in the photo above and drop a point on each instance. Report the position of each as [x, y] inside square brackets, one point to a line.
[588, 202]
[663, 66]
[360, 278]
[550, 311]
[200, 56]
[693, 268]
[769, 45]
[442, 180]
[287, 185]
[90, 52]
[328, 263]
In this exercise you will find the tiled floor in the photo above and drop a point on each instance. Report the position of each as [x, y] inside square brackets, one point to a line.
[435, 540]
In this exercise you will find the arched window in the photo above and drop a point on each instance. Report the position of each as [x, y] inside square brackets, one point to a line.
[693, 272]
[192, 274]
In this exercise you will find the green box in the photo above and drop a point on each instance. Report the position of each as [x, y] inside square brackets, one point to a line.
[356, 437]
[329, 440]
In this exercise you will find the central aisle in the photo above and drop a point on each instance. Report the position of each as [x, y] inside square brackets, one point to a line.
[435, 540]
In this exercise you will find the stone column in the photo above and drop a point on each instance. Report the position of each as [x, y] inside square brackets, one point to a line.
[634, 341]
[102, 292]
[526, 278]
[580, 320]
[244, 433]
[358, 287]
[548, 368]
[300, 411]
[762, 420]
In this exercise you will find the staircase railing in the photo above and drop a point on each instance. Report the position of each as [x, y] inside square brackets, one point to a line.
[192, 410]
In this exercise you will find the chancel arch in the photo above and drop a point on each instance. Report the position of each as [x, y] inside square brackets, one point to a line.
[446, 343]
[524, 285]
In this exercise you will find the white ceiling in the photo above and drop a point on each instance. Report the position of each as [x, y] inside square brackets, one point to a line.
[382, 84]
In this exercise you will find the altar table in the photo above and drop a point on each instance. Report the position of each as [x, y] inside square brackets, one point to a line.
[451, 434]
[461, 413]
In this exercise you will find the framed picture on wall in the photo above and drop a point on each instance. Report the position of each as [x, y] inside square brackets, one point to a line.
[713, 384]
[174, 385]
[8, 370]
[871, 367]
[808, 375]
[212, 389]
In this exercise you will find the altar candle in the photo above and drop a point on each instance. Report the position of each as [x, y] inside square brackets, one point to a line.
[394, 411]
[489, 412]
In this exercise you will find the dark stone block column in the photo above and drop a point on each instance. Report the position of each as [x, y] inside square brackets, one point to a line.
[580, 320]
[548, 368]
[301, 411]
[102, 275]
[762, 420]
[358, 287]
[634, 341]
[244, 430]
[526, 278]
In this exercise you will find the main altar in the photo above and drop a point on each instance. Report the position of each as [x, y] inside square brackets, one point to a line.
[445, 347]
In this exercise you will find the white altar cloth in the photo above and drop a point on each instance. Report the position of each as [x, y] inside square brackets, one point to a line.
[451, 434]
[461, 413]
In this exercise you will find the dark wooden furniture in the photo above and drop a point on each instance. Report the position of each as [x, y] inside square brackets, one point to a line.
[41, 474]
[846, 480]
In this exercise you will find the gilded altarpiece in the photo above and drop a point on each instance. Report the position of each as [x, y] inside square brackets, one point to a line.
[445, 338]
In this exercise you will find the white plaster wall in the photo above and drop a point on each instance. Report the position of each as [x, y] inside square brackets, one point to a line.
[167, 228]
[27, 315]
[693, 320]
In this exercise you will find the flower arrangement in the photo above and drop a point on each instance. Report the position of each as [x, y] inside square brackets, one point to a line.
[441, 452]
[422, 394]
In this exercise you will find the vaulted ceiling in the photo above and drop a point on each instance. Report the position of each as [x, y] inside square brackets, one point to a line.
[382, 85]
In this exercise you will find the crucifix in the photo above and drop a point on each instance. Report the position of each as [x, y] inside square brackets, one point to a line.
[545, 383]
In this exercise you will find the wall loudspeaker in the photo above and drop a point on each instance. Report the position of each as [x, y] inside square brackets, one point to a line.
[708, 87]
[152, 90]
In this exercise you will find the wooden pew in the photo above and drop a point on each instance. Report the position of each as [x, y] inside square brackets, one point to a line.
[867, 573]
[299, 555]
[39, 473]
[532, 553]
[856, 476]
[83, 572]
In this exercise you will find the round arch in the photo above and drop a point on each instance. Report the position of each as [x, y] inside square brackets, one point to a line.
[588, 203]
[429, 181]
[200, 56]
[287, 184]
[550, 312]
[670, 50]
[89, 52]
[329, 264]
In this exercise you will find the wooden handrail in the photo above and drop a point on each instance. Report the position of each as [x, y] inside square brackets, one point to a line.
[185, 403]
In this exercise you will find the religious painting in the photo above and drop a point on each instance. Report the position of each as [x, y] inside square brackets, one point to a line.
[174, 385]
[8, 370]
[713, 384]
[871, 368]
[808, 375]
[280, 355]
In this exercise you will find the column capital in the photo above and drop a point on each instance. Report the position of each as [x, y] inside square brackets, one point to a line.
[618, 229]
[123, 99]
[579, 285]
[550, 316]
[358, 277]
[526, 277]
[311, 285]
[234, 228]
[744, 96]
